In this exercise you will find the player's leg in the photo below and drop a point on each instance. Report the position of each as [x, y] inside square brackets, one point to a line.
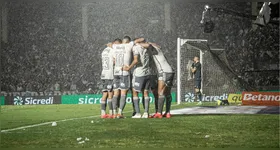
[136, 104]
[168, 99]
[146, 100]
[169, 83]
[116, 94]
[132, 86]
[154, 89]
[198, 92]
[161, 97]
[110, 96]
[138, 86]
[103, 99]
[124, 85]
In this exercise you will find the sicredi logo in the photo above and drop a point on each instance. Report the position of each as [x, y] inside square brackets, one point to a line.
[32, 101]
[90, 100]
[261, 98]
[96, 100]
[215, 98]
[190, 97]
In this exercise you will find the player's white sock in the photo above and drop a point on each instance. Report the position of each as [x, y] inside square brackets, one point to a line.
[114, 111]
[120, 111]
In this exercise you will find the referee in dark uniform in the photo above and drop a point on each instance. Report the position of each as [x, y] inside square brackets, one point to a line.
[196, 70]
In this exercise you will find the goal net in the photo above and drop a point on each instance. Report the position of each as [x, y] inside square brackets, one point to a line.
[218, 80]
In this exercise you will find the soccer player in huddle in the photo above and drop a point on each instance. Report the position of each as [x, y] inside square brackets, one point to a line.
[165, 79]
[122, 77]
[107, 77]
[141, 78]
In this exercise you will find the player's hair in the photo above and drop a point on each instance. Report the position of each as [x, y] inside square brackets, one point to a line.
[127, 37]
[197, 57]
[117, 39]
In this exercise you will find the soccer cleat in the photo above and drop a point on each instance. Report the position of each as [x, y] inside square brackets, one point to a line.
[104, 116]
[145, 115]
[152, 116]
[168, 115]
[199, 103]
[120, 116]
[158, 115]
[110, 116]
[115, 116]
[137, 115]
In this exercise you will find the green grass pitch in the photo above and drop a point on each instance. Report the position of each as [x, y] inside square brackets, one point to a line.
[196, 131]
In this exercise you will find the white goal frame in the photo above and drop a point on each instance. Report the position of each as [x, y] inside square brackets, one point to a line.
[180, 43]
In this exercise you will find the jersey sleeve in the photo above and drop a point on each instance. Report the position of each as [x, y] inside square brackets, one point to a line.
[135, 50]
[114, 46]
[131, 43]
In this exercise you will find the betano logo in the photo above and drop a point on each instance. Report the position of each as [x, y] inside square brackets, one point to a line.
[261, 98]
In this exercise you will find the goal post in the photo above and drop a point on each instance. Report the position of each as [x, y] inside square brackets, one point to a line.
[218, 78]
[180, 44]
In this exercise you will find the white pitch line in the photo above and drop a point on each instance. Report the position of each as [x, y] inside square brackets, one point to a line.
[45, 123]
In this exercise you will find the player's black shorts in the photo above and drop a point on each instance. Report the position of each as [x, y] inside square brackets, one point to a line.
[107, 85]
[122, 82]
[141, 83]
[197, 84]
[167, 78]
[153, 82]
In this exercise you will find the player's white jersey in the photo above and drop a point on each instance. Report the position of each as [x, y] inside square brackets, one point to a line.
[161, 62]
[143, 66]
[107, 64]
[123, 56]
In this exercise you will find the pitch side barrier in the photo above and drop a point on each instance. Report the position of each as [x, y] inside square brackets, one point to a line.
[65, 99]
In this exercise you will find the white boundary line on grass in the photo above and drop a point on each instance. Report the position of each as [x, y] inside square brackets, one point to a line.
[45, 123]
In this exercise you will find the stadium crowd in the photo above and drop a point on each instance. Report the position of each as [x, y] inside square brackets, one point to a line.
[46, 50]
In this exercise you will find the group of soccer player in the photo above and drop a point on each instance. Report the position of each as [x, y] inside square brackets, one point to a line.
[141, 67]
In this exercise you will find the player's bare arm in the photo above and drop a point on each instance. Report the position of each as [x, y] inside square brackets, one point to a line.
[134, 62]
[139, 40]
[193, 69]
